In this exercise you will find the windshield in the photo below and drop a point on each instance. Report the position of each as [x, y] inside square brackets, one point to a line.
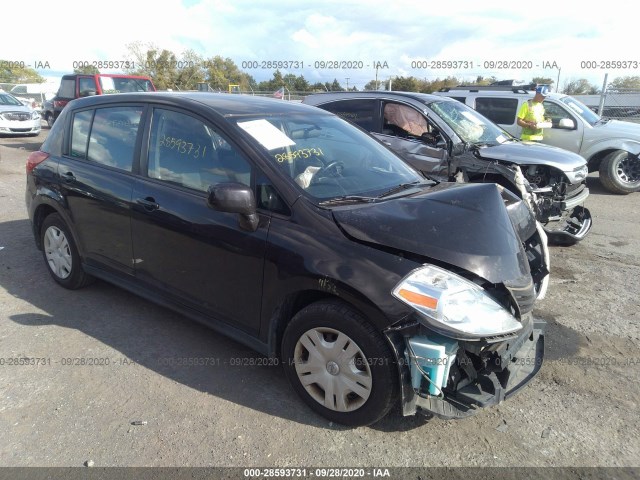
[326, 157]
[468, 124]
[125, 84]
[581, 109]
[7, 99]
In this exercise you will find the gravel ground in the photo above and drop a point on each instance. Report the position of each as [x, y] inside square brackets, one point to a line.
[579, 411]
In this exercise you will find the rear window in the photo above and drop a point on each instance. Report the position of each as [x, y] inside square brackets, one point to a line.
[67, 88]
[498, 110]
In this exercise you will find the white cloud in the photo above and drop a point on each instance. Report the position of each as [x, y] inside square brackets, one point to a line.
[396, 32]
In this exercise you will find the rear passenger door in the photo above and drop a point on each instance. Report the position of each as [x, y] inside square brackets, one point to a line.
[96, 177]
[197, 256]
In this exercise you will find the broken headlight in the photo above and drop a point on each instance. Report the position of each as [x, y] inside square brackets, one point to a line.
[453, 305]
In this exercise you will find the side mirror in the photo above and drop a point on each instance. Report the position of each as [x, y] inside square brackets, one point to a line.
[237, 198]
[566, 123]
[88, 93]
[458, 149]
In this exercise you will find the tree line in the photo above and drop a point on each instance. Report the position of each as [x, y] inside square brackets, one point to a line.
[170, 72]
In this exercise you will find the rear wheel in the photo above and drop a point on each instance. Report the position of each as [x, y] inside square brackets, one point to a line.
[339, 364]
[61, 255]
[620, 172]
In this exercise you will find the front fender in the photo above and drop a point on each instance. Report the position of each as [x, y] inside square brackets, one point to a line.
[595, 149]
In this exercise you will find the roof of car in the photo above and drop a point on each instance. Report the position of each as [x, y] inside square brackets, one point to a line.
[425, 98]
[222, 103]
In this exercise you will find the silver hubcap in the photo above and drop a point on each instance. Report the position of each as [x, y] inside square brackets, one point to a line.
[57, 252]
[628, 169]
[333, 369]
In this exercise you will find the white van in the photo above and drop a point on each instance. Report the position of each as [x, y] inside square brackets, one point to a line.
[611, 147]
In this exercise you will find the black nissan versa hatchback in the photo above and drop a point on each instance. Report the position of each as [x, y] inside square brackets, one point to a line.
[296, 233]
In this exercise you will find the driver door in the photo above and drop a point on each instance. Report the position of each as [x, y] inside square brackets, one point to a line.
[569, 139]
[413, 137]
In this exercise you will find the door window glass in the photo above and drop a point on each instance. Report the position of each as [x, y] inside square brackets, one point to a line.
[87, 86]
[556, 113]
[185, 151]
[113, 136]
[360, 112]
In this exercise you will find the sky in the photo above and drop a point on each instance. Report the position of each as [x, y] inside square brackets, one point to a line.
[548, 39]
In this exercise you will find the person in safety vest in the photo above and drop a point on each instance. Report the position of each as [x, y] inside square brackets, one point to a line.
[531, 115]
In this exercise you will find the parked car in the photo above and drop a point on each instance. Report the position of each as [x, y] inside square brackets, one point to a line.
[448, 141]
[82, 85]
[610, 147]
[299, 235]
[17, 118]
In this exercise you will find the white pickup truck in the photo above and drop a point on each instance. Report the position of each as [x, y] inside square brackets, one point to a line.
[611, 147]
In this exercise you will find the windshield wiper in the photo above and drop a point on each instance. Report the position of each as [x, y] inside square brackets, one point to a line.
[399, 188]
[348, 199]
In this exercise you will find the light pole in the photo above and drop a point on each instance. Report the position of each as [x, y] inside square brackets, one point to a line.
[347, 83]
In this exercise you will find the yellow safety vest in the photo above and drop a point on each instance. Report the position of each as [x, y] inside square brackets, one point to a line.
[531, 112]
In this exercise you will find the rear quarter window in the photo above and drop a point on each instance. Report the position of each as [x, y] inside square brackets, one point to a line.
[498, 110]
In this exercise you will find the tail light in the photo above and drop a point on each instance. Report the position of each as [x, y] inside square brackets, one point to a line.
[60, 103]
[34, 159]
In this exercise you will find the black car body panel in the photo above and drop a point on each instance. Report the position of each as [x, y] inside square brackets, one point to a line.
[146, 231]
[468, 227]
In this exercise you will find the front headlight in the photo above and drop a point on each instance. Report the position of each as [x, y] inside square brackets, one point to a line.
[578, 174]
[453, 305]
[35, 115]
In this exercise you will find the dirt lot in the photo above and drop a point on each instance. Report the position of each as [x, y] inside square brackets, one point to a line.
[582, 409]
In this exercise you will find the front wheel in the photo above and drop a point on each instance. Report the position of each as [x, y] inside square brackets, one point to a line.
[620, 172]
[61, 255]
[339, 364]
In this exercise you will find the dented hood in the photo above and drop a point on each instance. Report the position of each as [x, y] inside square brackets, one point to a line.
[464, 225]
[531, 153]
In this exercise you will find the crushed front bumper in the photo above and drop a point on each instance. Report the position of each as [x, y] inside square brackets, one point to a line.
[518, 360]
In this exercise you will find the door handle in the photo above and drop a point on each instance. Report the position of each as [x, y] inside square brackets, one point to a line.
[68, 177]
[149, 203]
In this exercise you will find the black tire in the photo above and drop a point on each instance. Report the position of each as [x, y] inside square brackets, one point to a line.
[620, 172]
[359, 352]
[61, 254]
[50, 120]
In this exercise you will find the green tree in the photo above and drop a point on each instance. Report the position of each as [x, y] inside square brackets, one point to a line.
[580, 86]
[628, 82]
[543, 80]
[372, 85]
[405, 84]
[14, 72]
[221, 72]
[87, 69]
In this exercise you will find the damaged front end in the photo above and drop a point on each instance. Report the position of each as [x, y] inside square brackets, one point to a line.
[555, 197]
[466, 347]
[472, 343]
[559, 201]
[452, 378]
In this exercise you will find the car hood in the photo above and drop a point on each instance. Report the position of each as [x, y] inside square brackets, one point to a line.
[464, 225]
[617, 128]
[530, 153]
[15, 108]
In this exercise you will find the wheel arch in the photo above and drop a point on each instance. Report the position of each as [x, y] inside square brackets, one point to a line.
[294, 302]
[41, 212]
